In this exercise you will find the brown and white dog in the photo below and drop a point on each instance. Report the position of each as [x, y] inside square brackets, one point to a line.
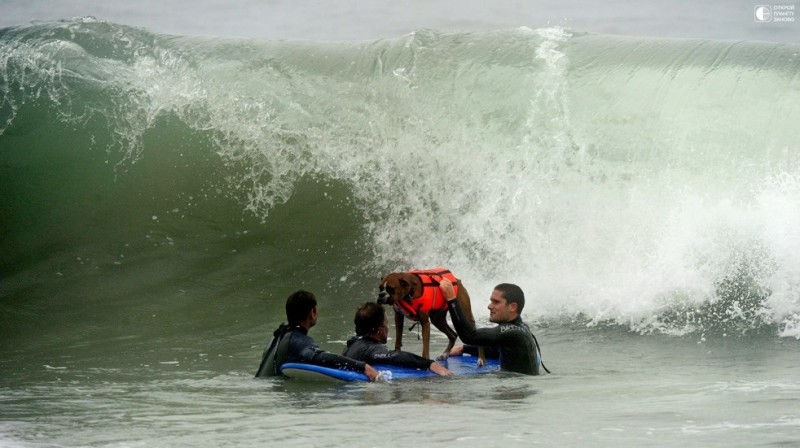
[416, 295]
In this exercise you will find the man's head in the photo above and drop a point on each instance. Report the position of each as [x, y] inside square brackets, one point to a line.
[371, 321]
[506, 303]
[301, 308]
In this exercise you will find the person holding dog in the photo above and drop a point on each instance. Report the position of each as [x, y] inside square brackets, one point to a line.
[519, 350]
[369, 343]
[291, 342]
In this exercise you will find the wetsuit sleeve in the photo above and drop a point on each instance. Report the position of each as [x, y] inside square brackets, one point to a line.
[305, 350]
[468, 333]
[379, 354]
[326, 359]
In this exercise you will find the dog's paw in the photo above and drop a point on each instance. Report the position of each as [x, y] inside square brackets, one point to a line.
[481, 362]
[443, 356]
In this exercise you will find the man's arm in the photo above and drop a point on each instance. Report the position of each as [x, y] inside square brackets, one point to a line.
[468, 333]
[376, 353]
[465, 329]
[328, 359]
[379, 354]
[311, 354]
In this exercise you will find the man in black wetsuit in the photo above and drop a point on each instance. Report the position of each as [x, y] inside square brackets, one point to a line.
[369, 343]
[519, 351]
[291, 342]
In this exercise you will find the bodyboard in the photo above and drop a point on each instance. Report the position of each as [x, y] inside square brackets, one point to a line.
[459, 365]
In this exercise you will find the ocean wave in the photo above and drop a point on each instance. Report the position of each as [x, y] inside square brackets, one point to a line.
[647, 183]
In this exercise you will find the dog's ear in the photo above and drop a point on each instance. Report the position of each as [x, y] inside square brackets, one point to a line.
[404, 283]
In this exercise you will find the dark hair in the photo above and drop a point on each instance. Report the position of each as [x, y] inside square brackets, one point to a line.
[298, 305]
[369, 317]
[512, 294]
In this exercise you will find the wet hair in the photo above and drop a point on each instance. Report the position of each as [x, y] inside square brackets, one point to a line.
[513, 294]
[369, 317]
[298, 305]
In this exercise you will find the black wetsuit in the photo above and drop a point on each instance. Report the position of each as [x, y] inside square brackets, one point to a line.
[294, 345]
[373, 352]
[518, 349]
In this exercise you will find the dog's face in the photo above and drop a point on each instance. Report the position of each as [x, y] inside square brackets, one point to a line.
[393, 288]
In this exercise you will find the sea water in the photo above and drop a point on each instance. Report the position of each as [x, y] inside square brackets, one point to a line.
[162, 194]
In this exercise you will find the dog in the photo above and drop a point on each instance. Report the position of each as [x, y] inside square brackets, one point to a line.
[416, 295]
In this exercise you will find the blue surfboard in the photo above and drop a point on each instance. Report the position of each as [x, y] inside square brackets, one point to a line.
[459, 365]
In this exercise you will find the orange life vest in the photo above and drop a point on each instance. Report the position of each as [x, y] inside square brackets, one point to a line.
[432, 298]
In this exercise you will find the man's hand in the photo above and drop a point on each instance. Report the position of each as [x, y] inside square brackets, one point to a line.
[457, 350]
[371, 373]
[440, 369]
[447, 290]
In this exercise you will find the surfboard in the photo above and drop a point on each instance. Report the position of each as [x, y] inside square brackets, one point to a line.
[459, 365]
